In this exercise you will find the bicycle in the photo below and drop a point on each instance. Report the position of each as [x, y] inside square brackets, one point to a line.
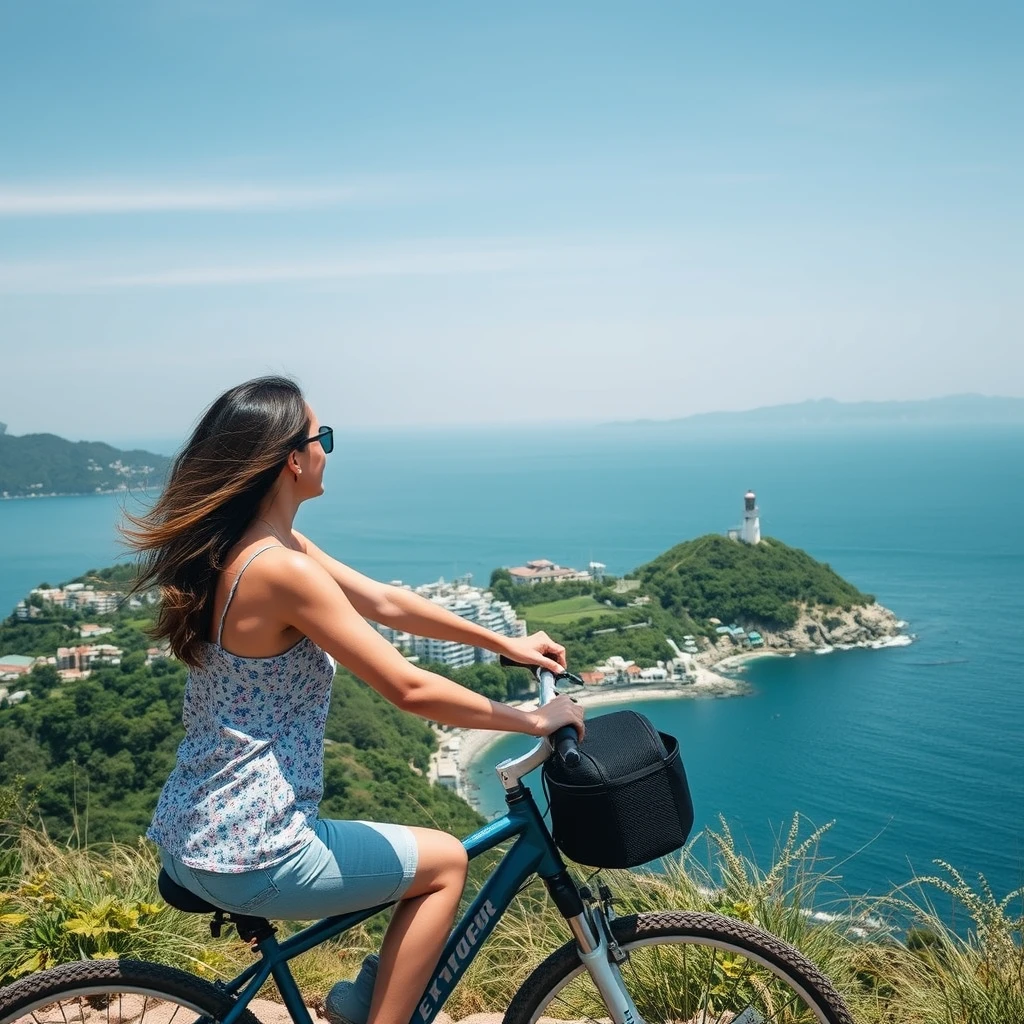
[670, 967]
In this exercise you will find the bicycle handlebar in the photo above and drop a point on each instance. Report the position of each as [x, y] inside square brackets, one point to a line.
[565, 739]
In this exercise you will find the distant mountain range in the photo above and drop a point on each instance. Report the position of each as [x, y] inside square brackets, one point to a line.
[44, 464]
[38, 465]
[952, 410]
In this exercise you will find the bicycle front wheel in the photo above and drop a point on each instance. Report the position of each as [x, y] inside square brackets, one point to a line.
[115, 992]
[687, 968]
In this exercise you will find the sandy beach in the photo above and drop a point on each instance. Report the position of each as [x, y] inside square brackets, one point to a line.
[473, 743]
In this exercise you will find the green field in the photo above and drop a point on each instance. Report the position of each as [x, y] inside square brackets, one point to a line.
[567, 610]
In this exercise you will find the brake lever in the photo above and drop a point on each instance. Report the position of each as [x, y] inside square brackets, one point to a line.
[571, 676]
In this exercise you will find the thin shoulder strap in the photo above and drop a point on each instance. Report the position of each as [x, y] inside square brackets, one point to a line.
[234, 587]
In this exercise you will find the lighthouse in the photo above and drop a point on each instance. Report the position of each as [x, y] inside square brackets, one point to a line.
[750, 533]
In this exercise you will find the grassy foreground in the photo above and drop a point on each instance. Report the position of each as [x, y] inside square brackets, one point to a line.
[61, 903]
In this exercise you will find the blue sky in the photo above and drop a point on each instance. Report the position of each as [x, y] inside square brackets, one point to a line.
[466, 213]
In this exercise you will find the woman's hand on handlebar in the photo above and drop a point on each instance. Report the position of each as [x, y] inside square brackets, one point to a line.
[536, 649]
[563, 710]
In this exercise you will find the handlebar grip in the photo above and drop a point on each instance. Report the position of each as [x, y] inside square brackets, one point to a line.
[566, 743]
[565, 740]
[509, 663]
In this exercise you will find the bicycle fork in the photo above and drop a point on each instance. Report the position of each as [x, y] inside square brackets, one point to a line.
[600, 955]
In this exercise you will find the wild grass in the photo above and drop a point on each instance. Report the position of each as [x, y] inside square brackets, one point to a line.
[938, 951]
[64, 904]
[973, 973]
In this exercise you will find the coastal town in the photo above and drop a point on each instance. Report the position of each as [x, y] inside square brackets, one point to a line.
[479, 605]
[476, 604]
[47, 466]
[75, 661]
[687, 672]
[123, 476]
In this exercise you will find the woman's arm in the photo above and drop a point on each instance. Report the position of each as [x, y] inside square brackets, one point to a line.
[301, 593]
[402, 609]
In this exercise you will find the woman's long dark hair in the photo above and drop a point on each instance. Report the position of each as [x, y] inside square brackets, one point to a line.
[217, 481]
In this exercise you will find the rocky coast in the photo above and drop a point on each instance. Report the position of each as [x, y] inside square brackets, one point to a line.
[819, 631]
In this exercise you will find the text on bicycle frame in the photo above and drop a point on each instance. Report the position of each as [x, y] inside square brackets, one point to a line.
[452, 968]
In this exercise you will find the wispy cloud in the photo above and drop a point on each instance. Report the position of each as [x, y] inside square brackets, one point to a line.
[421, 260]
[93, 200]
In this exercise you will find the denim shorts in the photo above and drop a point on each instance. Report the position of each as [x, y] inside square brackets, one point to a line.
[350, 865]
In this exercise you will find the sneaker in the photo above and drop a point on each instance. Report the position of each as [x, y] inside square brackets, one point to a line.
[348, 1002]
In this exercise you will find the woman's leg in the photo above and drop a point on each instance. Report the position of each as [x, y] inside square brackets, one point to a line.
[350, 865]
[419, 927]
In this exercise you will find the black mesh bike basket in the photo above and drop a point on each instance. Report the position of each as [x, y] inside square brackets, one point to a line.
[627, 801]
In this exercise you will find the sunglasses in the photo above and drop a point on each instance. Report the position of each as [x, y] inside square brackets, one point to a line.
[325, 435]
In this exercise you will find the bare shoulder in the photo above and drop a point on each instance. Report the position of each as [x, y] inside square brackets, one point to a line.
[259, 583]
[261, 562]
[289, 570]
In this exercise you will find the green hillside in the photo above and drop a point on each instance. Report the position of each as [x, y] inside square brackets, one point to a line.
[47, 464]
[681, 592]
[93, 754]
[765, 583]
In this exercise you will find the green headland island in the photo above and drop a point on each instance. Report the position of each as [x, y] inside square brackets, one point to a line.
[46, 466]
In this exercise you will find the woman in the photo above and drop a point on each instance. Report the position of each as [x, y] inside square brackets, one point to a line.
[260, 615]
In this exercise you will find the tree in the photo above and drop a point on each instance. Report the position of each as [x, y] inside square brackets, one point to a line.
[502, 586]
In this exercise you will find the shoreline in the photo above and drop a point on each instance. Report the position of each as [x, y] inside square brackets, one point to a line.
[473, 743]
[73, 494]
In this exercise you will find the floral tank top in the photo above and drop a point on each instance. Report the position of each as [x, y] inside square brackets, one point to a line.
[248, 780]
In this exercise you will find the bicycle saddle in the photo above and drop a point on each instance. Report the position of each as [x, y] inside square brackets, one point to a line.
[181, 898]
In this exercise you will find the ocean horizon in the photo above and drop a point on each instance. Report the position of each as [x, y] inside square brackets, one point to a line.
[916, 753]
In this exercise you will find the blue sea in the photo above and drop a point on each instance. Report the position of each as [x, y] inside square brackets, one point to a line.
[915, 753]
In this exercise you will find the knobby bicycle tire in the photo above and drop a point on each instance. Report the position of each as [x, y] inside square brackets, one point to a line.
[747, 975]
[85, 991]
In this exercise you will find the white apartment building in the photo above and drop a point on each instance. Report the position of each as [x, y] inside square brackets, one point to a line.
[444, 652]
[77, 596]
[468, 602]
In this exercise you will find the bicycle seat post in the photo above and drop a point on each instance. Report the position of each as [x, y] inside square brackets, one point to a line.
[254, 930]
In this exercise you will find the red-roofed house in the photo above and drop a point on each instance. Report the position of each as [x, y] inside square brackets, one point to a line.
[90, 630]
[540, 570]
[12, 665]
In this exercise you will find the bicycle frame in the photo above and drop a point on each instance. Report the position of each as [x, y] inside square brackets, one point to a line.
[533, 852]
